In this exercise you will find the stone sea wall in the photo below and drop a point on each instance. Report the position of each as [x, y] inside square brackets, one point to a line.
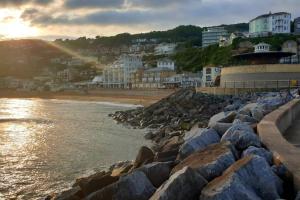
[204, 148]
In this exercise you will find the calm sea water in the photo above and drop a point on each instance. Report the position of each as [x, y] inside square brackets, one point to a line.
[46, 144]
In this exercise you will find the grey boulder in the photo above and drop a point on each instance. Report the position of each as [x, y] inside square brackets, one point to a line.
[199, 141]
[259, 152]
[135, 186]
[241, 136]
[210, 162]
[250, 178]
[157, 172]
[184, 184]
[225, 117]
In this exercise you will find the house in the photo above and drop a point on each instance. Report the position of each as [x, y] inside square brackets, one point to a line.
[155, 77]
[269, 24]
[210, 75]
[165, 49]
[183, 80]
[166, 63]
[293, 47]
[118, 74]
[226, 41]
[212, 35]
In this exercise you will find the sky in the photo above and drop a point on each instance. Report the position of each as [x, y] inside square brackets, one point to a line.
[51, 19]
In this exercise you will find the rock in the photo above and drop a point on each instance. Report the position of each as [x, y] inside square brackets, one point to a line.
[199, 141]
[95, 182]
[210, 162]
[122, 169]
[149, 135]
[166, 156]
[246, 110]
[172, 143]
[259, 152]
[225, 117]
[184, 184]
[257, 113]
[241, 136]
[135, 186]
[271, 103]
[221, 128]
[144, 156]
[157, 172]
[74, 193]
[246, 118]
[249, 178]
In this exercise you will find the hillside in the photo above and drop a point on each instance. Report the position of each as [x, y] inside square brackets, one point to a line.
[25, 58]
[188, 34]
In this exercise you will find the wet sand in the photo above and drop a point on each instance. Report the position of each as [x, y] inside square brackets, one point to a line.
[138, 97]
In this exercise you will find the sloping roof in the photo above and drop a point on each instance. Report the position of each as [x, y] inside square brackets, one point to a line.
[269, 14]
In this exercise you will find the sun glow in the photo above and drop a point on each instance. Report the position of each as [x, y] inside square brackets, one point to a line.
[12, 26]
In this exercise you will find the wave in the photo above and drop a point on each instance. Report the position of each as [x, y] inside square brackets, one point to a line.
[99, 102]
[25, 120]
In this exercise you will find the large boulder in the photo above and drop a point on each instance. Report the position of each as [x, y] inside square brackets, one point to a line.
[95, 182]
[144, 156]
[221, 127]
[225, 117]
[157, 172]
[246, 118]
[121, 168]
[74, 193]
[135, 186]
[246, 109]
[210, 162]
[184, 184]
[241, 136]
[250, 178]
[199, 141]
[166, 156]
[260, 152]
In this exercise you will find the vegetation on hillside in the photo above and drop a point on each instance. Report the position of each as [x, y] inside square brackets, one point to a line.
[194, 59]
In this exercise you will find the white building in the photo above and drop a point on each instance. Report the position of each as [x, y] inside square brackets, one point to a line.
[272, 23]
[118, 74]
[209, 76]
[212, 35]
[184, 80]
[165, 49]
[262, 47]
[166, 63]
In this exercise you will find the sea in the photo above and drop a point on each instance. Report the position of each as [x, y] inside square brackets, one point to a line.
[46, 144]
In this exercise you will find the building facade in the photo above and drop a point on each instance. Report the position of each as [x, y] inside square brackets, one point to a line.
[212, 35]
[272, 23]
[157, 76]
[118, 74]
[297, 26]
[293, 47]
[165, 49]
[209, 76]
[166, 63]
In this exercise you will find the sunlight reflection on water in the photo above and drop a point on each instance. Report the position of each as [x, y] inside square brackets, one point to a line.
[46, 144]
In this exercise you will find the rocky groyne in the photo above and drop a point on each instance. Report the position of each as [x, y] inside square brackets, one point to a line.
[205, 148]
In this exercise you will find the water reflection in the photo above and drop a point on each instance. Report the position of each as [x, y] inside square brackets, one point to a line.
[46, 144]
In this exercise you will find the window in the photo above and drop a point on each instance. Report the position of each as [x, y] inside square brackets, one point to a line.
[208, 70]
[208, 78]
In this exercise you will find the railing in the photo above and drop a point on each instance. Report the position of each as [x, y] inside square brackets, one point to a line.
[263, 84]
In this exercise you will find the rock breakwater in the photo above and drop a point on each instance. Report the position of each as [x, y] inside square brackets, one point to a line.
[205, 148]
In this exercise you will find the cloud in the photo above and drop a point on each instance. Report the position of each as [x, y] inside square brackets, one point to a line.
[11, 3]
[74, 4]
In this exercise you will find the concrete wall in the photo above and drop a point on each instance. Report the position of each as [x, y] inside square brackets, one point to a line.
[262, 74]
[271, 130]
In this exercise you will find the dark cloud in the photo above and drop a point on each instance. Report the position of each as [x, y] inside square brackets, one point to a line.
[8, 3]
[93, 3]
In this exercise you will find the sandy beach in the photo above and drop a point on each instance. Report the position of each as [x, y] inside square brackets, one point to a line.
[138, 97]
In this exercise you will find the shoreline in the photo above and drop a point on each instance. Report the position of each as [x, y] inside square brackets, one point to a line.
[134, 97]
